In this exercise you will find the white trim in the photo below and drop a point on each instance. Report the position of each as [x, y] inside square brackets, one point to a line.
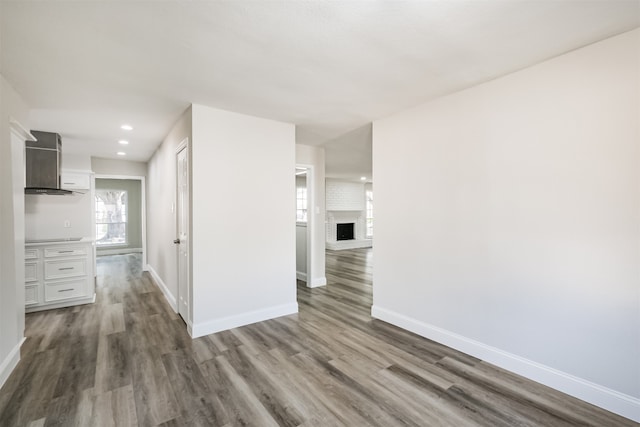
[312, 223]
[183, 144]
[301, 276]
[10, 362]
[611, 400]
[349, 244]
[318, 281]
[235, 321]
[21, 130]
[118, 251]
[163, 287]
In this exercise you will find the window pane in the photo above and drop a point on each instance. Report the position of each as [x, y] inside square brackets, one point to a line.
[111, 217]
[301, 204]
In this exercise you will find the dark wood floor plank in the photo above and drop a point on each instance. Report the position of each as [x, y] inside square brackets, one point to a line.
[191, 390]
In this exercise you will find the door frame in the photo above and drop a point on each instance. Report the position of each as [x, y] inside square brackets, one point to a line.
[311, 222]
[143, 209]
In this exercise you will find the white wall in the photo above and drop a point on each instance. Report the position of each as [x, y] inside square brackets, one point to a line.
[345, 196]
[314, 156]
[243, 236]
[74, 161]
[522, 244]
[161, 198]
[118, 167]
[11, 231]
[45, 216]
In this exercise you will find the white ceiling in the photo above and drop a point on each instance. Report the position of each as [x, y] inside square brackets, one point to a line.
[86, 67]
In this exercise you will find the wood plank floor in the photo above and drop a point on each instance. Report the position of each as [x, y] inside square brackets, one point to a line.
[127, 361]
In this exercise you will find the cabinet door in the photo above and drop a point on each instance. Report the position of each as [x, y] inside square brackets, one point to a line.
[31, 295]
[30, 271]
[75, 181]
[30, 253]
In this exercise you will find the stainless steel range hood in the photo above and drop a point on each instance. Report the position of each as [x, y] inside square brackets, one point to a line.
[43, 164]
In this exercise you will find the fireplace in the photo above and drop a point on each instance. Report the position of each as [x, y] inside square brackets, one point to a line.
[344, 231]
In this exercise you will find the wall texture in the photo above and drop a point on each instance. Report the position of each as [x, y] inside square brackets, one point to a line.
[243, 233]
[522, 244]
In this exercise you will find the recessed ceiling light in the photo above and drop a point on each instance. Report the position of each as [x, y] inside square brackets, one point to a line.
[363, 178]
[121, 153]
[126, 127]
[123, 142]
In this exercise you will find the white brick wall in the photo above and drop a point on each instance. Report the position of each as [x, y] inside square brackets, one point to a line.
[344, 196]
[345, 204]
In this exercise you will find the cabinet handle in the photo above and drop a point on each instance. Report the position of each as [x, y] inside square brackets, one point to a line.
[65, 268]
[64, 252]
[65, 290]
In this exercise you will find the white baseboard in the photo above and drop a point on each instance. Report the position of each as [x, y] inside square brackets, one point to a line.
[340, 245]
[163, 287]
[611, 400]
[313, 283]
[317, 281]
[242, 319]
[10, 362]
[100, 252]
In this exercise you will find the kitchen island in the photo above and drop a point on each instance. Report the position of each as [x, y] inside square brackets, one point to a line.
[59, 273]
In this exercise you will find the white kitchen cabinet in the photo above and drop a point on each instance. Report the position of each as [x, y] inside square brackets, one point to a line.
[59, 274]
[75, 180]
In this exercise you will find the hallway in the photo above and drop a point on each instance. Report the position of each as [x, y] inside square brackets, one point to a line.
[127, 360]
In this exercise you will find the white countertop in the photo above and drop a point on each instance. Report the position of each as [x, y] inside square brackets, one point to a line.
[58, 241]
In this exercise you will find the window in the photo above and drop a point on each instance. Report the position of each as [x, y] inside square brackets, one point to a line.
[369, 218]
[301, 204]
[111, 217]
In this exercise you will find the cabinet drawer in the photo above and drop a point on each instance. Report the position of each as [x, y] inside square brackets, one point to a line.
[31, 295]
[31, 271]
[64, 290]
[30, 254]
[65, 268]
[65, 251]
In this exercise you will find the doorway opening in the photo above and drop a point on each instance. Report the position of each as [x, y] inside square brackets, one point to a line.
[303, 224]
[120, 216]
